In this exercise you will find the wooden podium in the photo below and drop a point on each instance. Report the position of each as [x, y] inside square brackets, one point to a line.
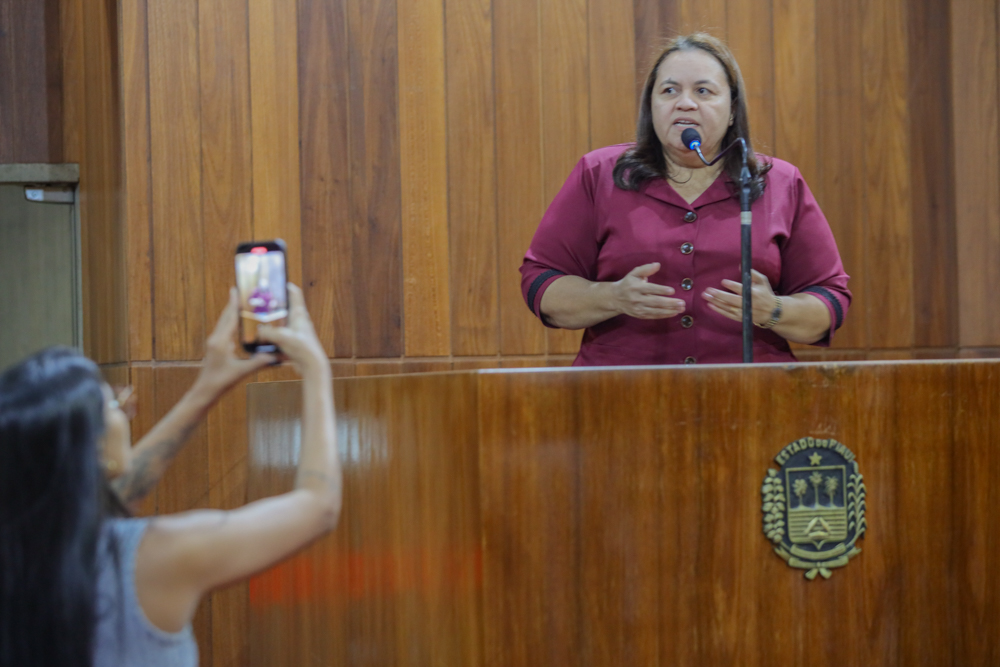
[564, 517]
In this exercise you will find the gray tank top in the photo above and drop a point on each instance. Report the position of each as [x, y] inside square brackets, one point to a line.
[124, 636]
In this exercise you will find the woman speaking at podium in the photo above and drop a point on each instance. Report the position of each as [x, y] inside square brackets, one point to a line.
[641, 247]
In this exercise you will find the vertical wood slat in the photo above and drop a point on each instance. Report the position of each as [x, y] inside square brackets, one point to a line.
[975, 76]
[932, 174]
[472, 194]
[73, 65]
[565, 111]
[101, 207]
[227, 173]
[655, 21]
[612, 69]
[136, 137]
[795, 84]
[175, 120]
[702, 16]
[888, 208]
[375, 178]
[753, 46]
[840, 142]
[274, 109]
[327, 246]
[7, 108]
[24, 82]
[520, 198]
[424, 177]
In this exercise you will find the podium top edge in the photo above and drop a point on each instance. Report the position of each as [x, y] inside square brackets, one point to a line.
[694, 368]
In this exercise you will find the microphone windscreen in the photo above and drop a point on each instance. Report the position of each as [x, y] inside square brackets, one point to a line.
[689, 137]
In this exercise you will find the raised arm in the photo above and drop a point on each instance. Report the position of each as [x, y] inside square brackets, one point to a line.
[221, 370]
[183, 556]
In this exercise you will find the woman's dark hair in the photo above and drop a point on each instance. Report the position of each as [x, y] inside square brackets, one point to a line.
[52, 499]
[645, 161]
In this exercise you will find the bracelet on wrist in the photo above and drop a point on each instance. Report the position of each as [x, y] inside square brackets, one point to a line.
[775, 314]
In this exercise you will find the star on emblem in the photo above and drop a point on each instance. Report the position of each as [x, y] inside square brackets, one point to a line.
[815, 459]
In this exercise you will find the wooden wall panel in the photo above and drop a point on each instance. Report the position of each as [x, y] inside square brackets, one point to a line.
[702, 16]
[105, 316]
[795, 85]
[975, 500]
[472, 174]
[935, 274]
[327, 238]
[8, 112]
[612, 68]
[520, 195]
[31, 79]
[227, 204]
[424, 178]
[975, 77]
[274, 105]
[655, 22]
[74, 70]
[375, 178]
[175, 122]
[136, 138]
[565, 125]
[887, 160]
[840, 141]
[757, 63]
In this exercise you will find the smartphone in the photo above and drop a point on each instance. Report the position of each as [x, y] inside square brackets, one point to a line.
[261, 279]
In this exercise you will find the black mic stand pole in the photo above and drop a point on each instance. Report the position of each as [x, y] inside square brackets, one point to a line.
[745, 219]
[694, 143]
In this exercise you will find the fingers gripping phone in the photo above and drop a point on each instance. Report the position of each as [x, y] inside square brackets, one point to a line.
[261, 279]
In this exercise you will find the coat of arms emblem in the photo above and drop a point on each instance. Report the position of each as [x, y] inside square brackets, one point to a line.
[814, 505]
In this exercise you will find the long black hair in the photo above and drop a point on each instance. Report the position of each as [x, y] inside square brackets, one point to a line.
[645, 161]
[52, 504]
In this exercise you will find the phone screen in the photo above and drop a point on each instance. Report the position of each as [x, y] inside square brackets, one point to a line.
[260, 279]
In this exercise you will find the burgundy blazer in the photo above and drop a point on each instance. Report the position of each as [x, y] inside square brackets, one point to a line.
[600, 232]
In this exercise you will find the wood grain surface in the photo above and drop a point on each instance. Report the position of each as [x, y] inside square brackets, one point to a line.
[472, 179]
[520, 194]
[327, 239]
[424, 178]
[138, 184]
[375, 178]
[565, 79]
[619, 516]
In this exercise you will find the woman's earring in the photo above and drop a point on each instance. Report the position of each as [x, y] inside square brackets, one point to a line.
[110, 465]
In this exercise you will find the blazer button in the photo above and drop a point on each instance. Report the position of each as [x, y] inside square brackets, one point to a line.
[690, 360]
[687, 321]
[687, 283]
[690, 216]
[687, 249]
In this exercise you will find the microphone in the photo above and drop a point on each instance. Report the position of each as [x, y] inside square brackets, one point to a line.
[691, 138]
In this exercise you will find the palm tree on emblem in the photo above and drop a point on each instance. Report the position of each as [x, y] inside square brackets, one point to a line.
[816, 480]
[800, 487]
[831, 488]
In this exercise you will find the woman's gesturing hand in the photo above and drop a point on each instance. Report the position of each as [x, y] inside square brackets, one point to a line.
[634, 295]
[730, 304]
[222, 368]
[298, 340]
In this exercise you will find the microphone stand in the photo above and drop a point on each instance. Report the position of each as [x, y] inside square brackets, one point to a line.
[746, 218]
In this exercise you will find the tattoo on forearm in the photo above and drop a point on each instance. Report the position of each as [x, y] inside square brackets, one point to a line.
[148, 467]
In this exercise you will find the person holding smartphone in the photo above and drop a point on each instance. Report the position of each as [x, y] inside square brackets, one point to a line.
[80, 586]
